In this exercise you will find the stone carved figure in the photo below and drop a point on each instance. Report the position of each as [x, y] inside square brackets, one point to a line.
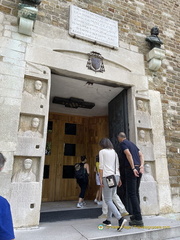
[147, 176]
[142, 137]
[34, 129]
[145, 144]
[37, 89]
[148, 192]
[26, 174]
[140, 105]
[154, 40]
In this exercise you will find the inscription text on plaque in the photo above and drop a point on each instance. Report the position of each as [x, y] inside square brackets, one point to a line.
[93, 27]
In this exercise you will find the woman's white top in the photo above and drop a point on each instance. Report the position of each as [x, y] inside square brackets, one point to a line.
[107, 159]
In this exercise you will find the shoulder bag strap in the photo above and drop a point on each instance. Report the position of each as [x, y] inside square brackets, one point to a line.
[115, 164]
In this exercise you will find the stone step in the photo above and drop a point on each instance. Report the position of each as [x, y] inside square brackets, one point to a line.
[82, 213]
[155, 228]
[158, 234]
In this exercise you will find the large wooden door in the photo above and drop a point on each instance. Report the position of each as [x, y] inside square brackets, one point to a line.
[118, 122]
[69, 137]
[97, 129]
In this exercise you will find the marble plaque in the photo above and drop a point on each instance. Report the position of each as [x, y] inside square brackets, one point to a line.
[93, 27]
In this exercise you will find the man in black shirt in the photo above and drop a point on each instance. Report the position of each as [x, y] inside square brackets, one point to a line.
[134, 167]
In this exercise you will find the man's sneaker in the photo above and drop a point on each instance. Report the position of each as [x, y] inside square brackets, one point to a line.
[107, 223]
[103, 216]
[124, 214]
[132, 217]
[122, 222]
[79, 205]
[135, 222]
[84, 203]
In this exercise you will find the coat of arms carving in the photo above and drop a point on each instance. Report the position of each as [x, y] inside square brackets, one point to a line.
[95, 62]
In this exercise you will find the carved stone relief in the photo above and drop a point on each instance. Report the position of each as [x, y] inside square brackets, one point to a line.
[147, 175]
[34, 96]
[31, 126]
[145, 143]
[148, 192]
[35, 88]
[140, 105]
[143, 113]
[144, 137]
[25, 169]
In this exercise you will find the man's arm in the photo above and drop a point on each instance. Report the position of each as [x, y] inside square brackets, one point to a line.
[117, 167]
[131, 162]
[141, 156]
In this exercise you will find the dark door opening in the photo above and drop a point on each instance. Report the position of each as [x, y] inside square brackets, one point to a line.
[74, 132]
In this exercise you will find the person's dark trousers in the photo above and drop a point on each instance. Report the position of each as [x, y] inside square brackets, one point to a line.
[83, 185]
[133, 184]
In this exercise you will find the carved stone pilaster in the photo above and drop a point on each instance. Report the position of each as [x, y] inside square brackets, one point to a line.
[154, 58]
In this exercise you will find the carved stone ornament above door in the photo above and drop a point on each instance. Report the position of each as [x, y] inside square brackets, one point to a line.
[95, 62]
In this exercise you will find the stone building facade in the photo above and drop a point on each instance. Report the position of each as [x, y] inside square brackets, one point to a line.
[26, 59]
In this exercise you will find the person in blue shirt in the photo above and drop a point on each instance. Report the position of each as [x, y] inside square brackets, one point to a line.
[6, 224]
[134, 167]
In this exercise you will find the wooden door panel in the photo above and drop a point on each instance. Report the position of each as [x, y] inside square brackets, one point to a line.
[50, 160]
[89, 131]
[97, 129]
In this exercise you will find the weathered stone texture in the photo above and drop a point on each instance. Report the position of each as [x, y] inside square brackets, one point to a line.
[136, 18]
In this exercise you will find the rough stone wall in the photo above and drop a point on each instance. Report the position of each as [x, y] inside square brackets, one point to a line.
[136, 18]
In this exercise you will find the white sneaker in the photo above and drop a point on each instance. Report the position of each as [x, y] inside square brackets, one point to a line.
[99, 202]
[95, 200]
[83, 203]
[79, 205]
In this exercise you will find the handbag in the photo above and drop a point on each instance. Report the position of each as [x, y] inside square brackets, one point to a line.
[111, 180]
